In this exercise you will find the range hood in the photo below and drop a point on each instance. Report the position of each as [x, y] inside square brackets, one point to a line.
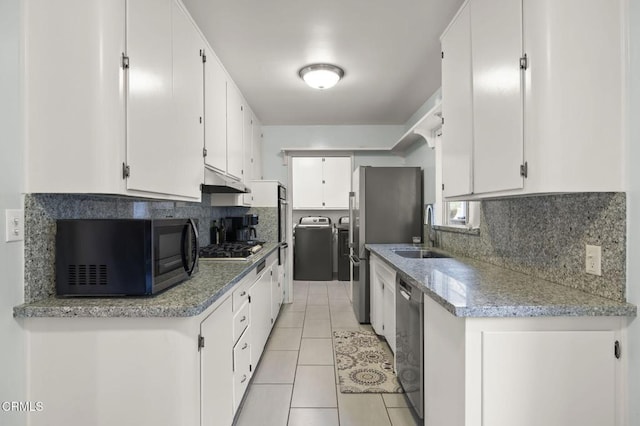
[217, 183]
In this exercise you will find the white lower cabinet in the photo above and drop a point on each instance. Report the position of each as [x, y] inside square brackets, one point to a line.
[188, 371]
[383, 300]
[260, 306]
[521, 371]
[216, 367]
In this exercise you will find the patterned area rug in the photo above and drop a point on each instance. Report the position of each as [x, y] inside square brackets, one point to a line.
[364, 362]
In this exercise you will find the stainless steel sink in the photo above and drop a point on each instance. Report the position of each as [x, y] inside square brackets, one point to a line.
[420, 254]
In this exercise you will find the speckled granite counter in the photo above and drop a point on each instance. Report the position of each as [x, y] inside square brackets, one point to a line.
[190, 298]
[470, 288]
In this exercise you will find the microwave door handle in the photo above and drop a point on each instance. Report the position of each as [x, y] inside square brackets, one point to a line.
[188, 262]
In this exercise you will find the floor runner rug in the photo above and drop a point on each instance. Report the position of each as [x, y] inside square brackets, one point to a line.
[364, 362]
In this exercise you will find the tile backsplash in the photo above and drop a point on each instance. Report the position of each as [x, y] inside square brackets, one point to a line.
[545, 236]
[42, 210]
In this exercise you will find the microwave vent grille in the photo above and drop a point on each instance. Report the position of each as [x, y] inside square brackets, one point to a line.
[87, 275]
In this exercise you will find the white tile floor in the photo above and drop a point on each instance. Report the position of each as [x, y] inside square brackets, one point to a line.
[296, 381]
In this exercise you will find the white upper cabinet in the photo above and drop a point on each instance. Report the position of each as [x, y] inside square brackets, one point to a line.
[336, 179]
[75, 116]
[496, 49]
[307, 182]
[321, 182]
[165, 133]
[136, 62]
[574, 96]
[256, 149]
[215, 110]
[235, 128]
[247, 153]
[547, 98]
[457, 106]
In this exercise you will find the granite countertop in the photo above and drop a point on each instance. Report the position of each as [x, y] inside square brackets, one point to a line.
[190, 298]
[471, 288]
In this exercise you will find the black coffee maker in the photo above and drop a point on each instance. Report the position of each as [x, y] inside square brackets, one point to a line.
[241, 228]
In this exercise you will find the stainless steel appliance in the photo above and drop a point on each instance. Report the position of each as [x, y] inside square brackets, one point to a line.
[313, 249]
[123, 257]
[231, 251]
[344, 264]
[384, 207]
[241, 228]
[409, 339]
[282, 224]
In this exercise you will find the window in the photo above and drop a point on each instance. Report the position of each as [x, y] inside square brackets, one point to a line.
[456, 213]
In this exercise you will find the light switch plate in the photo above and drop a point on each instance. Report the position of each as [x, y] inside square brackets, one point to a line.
[594, 260]
[14, 225]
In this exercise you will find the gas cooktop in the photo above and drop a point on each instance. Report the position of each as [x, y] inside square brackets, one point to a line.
[243, 250]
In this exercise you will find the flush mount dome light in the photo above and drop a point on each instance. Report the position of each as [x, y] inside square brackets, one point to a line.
[321, 76]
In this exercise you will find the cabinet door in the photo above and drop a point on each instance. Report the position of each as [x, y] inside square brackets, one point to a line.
[276, 292]
[216, 367]
[457, 130]
[336, 178]
[215, 110]
[546, 375]
[256, 150]
[235, 126]
[377, 294]
[247, 154]
[260, 314]
[188, 105]
[389, 314]
[496, 34]
[150, 143]
[307, 182]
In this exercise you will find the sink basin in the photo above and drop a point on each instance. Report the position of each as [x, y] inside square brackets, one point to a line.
[420, 254]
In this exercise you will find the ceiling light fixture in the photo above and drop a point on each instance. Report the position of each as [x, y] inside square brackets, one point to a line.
[321, 76]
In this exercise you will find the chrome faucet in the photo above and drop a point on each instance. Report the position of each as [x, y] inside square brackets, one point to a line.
[431, 233]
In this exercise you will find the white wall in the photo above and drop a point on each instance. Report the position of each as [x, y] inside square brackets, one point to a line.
[633, 211]
[12, 338]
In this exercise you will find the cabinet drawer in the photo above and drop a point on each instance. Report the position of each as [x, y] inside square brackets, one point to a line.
[241, 368]
[241, 293]
[240, 321]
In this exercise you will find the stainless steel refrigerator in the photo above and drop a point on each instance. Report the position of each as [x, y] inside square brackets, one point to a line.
[385, 207]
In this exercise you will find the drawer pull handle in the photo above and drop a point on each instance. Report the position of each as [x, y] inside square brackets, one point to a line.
[244, 293]
[245, 346]
[243, 319]
[244, 378]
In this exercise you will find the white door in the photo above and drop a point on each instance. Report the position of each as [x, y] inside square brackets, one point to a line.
[150, 143]
[389, 315]
[260, 314]
[247, 154]
[336, 178]
[235, 125]
[307, 182]
[496, 34]
[215, 110]
[549, 378]
[187, 170]
[457, 111]
[216, 367]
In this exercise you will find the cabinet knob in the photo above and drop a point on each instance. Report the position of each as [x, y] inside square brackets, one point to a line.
[243, 319]
[244, 293]
[244, 378]
[245, 346]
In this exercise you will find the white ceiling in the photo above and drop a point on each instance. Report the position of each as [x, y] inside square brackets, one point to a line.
[389, 49]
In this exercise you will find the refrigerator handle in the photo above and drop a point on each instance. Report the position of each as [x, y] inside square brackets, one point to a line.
[352, 198]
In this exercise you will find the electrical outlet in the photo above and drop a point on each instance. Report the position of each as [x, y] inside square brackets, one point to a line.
[14, 225]
[594, 260]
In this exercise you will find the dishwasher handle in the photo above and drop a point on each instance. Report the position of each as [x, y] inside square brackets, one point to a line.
[404, 294]
[404, 289]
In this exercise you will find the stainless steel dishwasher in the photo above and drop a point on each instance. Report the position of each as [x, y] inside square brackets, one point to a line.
[409, 343]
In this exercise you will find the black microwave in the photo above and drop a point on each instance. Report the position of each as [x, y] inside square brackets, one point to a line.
[123, 257]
